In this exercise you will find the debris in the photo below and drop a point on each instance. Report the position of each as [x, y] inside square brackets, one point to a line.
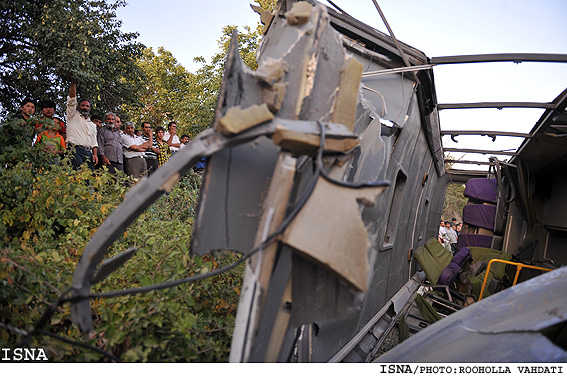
[303, 143]
[299, 14]
[237, 120]
[345, 106]
[265, 16]
[274, 96]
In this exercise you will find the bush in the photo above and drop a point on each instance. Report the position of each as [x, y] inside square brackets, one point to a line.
[47, 216]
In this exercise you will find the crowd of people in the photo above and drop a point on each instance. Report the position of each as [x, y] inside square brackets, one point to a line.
[449, 234]
[99, 142]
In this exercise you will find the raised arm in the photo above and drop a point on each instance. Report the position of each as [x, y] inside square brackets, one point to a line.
[73, 89]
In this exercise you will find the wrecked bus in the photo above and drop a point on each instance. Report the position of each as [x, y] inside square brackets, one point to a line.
[326, 169]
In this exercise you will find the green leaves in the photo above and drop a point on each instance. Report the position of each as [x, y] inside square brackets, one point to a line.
[186, 323]
[48, 213]
[173, 93]
[46, 43]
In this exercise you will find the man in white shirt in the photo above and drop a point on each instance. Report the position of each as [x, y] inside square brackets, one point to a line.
[171, 137]
[452, 234]
[81, 131]
[134, 150]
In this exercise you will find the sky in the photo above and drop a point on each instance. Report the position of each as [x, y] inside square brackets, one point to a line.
[190, 29]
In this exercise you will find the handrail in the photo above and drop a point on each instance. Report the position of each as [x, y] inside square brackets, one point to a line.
[519, 268]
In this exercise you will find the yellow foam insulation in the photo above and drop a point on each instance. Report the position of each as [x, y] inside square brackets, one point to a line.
[302, 143]
[274, 96]
[271, 71]
[344, 110]
[265, 16]
[237, 119]
[330, 231]
[299, 14]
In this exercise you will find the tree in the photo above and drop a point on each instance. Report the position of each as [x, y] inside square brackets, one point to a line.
[209, 76]
[45, 43]
[164, 97]
[174, 93]
[455, 201]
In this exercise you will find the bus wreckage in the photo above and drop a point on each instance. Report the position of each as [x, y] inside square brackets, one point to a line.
[326, 170]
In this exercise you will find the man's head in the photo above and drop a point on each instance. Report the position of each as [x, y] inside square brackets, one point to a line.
[447, 224]
[171, 126]
[129, 128]
[160, 132]
[84, 107]
[27, 107]
[184, 139]
[146, 128]
[47, 108]
[110, 119]
[97, 120]
[118, 122]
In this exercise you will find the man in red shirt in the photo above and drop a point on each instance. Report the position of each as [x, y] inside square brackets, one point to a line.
[48, 112]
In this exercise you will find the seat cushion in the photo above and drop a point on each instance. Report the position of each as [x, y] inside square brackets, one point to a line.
[481, 189]
[480, 215]
[433, 258]
[474, 240]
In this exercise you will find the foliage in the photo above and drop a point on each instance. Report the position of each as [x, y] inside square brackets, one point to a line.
[454, 202]
[173, 93]
[48, 212]
[16, 137]
[454, 198]
[45, 227]
[45, 43]
[169, 87]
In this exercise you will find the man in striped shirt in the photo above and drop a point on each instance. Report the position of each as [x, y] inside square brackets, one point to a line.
[153, 150]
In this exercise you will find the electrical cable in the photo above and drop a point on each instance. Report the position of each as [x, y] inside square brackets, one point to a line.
[372, 184]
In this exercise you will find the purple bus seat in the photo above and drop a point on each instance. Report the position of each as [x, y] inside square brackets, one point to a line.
[474, 240]
[450, 273]
[481, 189]
[480, 215]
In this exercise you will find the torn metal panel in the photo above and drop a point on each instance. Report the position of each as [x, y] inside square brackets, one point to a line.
[233, 190]
[373, 151]
[384, 94]
[276, 313]
[330, 231]
[317, 294]
[259, 270]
